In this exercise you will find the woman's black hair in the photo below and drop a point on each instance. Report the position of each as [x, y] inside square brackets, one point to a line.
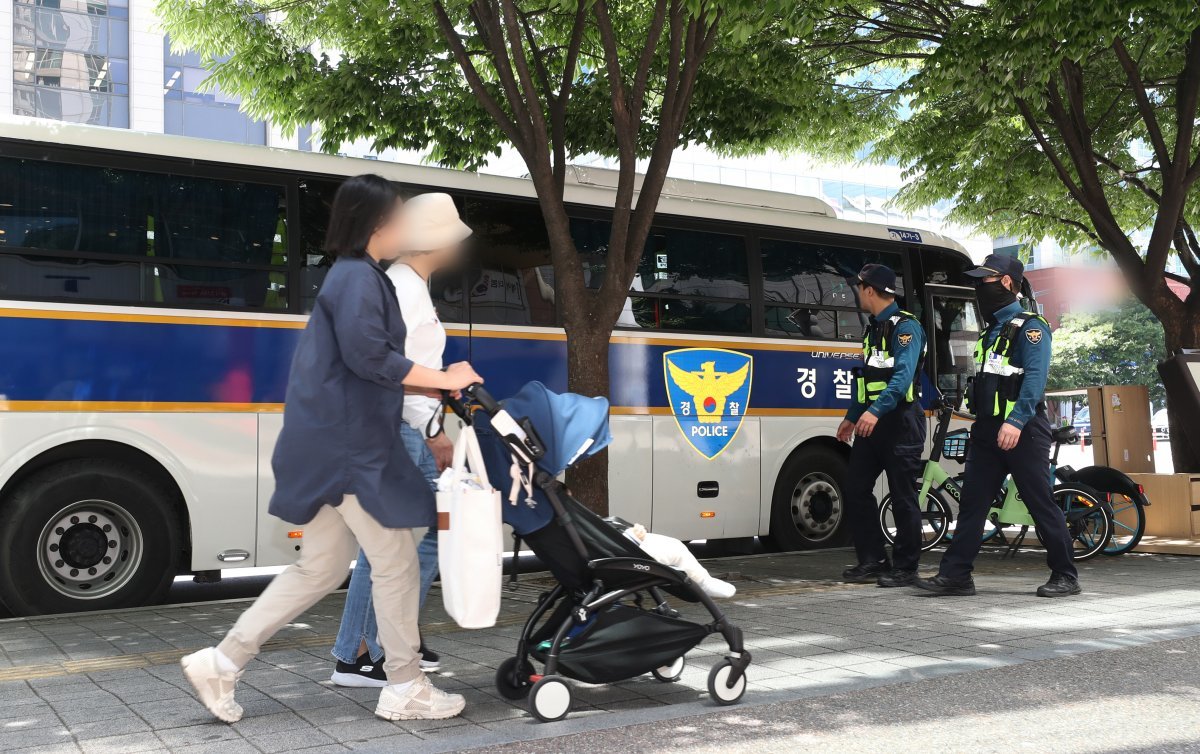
[360, 206]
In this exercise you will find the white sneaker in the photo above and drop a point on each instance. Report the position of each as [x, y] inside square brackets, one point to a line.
[420, 701]
[213, 685]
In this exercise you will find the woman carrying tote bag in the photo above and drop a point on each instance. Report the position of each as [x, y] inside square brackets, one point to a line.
[341, 469]
[433, 237]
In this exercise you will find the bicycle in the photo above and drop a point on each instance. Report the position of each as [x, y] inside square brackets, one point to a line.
[1127, 499]
[1089, 517]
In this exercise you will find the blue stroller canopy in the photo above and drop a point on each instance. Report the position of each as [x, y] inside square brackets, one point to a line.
[572, 427]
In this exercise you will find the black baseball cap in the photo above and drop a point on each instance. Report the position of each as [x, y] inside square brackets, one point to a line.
[879, 277]
[999, 264]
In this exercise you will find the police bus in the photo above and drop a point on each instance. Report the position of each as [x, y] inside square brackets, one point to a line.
[152, 289]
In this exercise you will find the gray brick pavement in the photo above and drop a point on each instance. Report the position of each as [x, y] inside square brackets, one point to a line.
[110, 682]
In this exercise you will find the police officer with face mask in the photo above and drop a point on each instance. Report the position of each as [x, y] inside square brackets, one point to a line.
[1011, 434]
[887, 419]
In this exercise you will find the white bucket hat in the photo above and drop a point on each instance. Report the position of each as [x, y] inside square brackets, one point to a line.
[432, 223]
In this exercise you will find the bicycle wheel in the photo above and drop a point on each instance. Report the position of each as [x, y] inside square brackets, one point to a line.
[935, 520]
[1129, 524]
[1088, 521]
[990, 529]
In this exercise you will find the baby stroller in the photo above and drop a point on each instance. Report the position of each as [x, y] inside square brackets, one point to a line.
[607, 619]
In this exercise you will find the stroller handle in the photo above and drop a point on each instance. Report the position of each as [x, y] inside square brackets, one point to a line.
[471, 393]
[519, 434]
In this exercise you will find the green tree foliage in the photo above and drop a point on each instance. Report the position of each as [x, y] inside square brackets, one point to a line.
[633, 80]
[1118, 346]
[1061, 118]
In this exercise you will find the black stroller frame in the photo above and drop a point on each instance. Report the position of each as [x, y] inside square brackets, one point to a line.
[612, 581]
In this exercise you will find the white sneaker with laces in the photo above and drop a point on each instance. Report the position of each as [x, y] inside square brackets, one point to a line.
[213, 685]
[420, 701]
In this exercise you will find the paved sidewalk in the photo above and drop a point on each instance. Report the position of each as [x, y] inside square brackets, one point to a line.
[111, 683]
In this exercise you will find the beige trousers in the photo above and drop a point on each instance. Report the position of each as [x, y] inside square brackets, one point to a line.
[329, 547]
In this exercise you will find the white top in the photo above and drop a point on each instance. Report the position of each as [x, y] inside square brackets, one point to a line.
[426, 339]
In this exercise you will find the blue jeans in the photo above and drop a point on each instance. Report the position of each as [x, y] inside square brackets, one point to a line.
[358, 617]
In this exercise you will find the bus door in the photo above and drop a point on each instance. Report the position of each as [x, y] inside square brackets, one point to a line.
[953, 327]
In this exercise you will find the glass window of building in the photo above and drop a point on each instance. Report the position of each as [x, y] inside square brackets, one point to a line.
[78, 232]
[810, 289]
[71, 60]
[204, 111]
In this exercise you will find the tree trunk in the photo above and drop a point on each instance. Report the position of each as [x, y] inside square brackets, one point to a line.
[1181, 332]
[587, 374]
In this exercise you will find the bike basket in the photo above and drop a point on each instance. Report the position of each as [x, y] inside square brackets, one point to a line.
[954, 447]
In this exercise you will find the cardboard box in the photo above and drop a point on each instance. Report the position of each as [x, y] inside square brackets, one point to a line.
[1174, 504]
[1120, 417]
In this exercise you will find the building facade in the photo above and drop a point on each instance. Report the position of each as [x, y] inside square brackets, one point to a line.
[107, 63]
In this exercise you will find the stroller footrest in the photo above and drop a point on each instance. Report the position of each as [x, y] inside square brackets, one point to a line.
[623, 569]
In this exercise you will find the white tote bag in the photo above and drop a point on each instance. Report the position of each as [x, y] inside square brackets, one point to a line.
[470, 537]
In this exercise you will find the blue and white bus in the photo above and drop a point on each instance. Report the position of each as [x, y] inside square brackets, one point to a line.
[152, 289]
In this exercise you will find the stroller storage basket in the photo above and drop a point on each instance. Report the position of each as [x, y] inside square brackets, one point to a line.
[624, 642]
[954, 447]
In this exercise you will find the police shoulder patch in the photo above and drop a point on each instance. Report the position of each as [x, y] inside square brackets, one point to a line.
[1034, 335]
[904, 338]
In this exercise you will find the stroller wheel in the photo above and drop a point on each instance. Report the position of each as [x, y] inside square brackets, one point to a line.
[670, 673]
[550, 699]
[718, 683]
[512, 685]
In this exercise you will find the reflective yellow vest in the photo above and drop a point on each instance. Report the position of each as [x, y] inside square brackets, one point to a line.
[997, 381]
[879, 361]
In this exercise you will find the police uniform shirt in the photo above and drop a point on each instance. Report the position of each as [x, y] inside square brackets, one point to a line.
[908, 342]
[1030, 350]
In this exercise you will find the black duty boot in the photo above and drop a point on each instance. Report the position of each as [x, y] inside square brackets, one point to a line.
[1059, 585]
[896, 577]
[940, 586]
[865, 573]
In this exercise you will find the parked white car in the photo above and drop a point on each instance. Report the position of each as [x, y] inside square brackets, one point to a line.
[1158, 423]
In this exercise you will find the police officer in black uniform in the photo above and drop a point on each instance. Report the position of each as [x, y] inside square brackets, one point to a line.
[1011, 434]
[887, 419]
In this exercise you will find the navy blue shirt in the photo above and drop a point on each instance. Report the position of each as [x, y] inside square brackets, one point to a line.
[1031, 350]
[906, 357]
[344, 406]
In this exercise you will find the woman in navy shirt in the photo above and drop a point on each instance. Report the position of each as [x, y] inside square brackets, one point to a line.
[341, 469]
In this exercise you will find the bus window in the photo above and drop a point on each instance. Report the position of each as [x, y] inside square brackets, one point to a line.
[686, 280]
[511, 278]
[815, 324]
[78, 232]
[945, 267]
[316, 197]
[809, 289]
[955, 331]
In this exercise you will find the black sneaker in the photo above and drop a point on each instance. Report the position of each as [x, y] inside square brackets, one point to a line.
[430, 661]
[940, 586]
[865, 573]
[363, 674]
[895, 578]
[1059, 586]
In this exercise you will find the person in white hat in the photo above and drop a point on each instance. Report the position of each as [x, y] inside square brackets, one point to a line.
[434, 236]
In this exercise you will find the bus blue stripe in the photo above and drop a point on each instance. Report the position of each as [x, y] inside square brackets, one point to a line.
[80, 359]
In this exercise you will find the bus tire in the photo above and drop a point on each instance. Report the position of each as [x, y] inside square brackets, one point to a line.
[808, 505]
[87, 534]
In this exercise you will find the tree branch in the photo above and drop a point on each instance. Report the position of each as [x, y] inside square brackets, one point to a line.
[475, 81]
[1142, 98]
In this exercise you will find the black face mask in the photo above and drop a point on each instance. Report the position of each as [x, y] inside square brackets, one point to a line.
[993, 297]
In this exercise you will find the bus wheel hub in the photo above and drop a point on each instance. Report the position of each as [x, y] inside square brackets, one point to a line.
[89, 549]
[816, 506]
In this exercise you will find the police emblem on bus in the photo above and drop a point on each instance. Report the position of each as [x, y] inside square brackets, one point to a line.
[709, 393]
[1033, 336]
